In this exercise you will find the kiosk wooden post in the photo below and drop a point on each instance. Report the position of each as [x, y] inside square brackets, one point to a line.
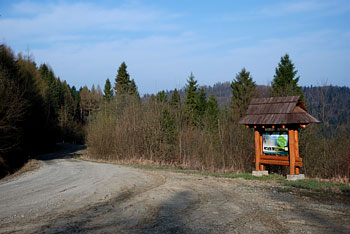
[291, 151]
[257, 149]
[297, 158]
[262, 166]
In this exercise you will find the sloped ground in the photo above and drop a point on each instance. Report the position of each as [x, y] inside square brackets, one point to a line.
[72, 196]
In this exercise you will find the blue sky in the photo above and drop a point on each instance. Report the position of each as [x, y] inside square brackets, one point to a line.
[162, 42]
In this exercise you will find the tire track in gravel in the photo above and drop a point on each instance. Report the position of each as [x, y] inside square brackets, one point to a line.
[78, 218]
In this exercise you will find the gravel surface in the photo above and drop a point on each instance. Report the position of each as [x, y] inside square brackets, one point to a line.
[73, 196]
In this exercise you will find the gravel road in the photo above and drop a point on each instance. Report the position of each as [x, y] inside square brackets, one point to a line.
[73, 196]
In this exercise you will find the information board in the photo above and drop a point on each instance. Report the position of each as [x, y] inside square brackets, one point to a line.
[275, 142]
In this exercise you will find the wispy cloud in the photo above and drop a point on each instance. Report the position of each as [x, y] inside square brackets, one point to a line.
[42, 22]
[86, 42]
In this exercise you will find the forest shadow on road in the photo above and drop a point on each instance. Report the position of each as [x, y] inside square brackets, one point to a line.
[64, 151]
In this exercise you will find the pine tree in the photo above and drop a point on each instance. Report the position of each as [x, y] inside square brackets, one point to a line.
[108, 92]
[167, 127]
[212, 112]
[285, 82]
[76, 99]
[123, 84]
[133, 89]
[175, 101]
[162, 97]
[201, 107]
[122, 80]
[243, 90]
[202, 101]
[191, 101]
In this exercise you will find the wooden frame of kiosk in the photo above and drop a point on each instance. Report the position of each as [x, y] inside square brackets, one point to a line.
[276, 122]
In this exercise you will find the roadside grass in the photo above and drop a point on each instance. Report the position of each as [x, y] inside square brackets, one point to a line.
[310, 187]
[320, 190]
[314, 184]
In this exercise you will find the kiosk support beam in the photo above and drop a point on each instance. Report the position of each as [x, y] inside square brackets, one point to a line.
[257, 149]
[291, 135]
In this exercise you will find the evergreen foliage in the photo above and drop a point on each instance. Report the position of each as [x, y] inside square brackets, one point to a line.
[191, 101]
[285, 82]
[108, 91]
[133, 89]
[123, 85]
[122, 80]
[36, 109]
[243, 90]
[175, 101]
[202, 102]
[162, 97]
[167, 136]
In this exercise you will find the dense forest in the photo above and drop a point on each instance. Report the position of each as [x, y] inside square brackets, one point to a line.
[195, 127]
[37, 110]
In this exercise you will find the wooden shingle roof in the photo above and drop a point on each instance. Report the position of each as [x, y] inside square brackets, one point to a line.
[277, 110]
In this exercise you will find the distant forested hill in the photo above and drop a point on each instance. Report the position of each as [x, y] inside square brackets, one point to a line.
[329, 104]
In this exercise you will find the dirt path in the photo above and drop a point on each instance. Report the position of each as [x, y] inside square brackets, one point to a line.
[68, 195]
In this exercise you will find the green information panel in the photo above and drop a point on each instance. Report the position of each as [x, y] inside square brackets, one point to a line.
[275, 142]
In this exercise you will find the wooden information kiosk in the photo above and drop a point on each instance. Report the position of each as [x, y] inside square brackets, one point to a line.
[276, 122]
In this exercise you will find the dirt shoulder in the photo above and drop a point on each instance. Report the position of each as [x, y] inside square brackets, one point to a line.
[31, 165]
[69, 195]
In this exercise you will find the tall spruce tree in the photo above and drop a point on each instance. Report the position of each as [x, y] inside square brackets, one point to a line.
[191, 101]
[202, 102]
[162, 97]
[123, 85]
[243, 90]
[175, 101]
[108, 91]
[122, 80]
[285, 82]
[167, 123]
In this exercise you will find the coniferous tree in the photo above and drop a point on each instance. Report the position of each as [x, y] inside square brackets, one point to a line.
[191, 101]
[13, 107]
[175, 101]
[162, 97]
[133, 89]
[122, 80]
[76, 100]
[243, 90]
[285, 82]
[123, 84]
[108, 91]
[168, 137]
[202, 102]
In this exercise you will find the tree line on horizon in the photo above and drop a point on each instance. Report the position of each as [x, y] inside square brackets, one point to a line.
[189, 129]
[184, 128]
